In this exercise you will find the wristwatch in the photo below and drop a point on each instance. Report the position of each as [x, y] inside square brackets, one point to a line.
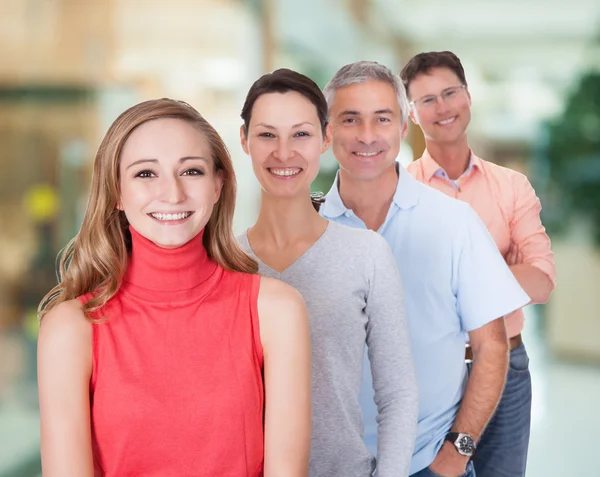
[464, 443]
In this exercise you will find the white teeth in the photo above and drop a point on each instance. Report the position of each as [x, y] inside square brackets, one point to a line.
[167, 217]
[285, 172]
[447, 121]
[367, 154]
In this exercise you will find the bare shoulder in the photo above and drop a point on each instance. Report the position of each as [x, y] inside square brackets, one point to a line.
[65, 327]
[275, 294]
[281, 313]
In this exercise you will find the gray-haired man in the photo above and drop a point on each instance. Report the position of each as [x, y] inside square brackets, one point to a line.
[455, 279]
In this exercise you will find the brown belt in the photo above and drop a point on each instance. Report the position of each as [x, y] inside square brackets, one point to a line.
[514, 342]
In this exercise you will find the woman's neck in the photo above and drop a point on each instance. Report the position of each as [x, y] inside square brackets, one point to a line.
[283, 222]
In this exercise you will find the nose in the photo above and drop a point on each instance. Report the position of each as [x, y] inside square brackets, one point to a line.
[283, 151]
[172, 190]
[440, 105]
[366, 133]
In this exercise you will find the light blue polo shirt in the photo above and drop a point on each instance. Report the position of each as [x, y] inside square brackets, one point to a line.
[455, 281]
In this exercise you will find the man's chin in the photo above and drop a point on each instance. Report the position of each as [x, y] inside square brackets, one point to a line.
[369, 174]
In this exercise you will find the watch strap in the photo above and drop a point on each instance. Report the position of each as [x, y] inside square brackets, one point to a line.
[451, 436]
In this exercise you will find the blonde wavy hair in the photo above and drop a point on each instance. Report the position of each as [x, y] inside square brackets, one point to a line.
[95, 260]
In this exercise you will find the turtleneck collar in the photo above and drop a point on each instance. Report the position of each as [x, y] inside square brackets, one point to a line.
[161, 270]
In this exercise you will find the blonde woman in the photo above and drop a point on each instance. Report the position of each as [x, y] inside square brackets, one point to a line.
[160, 345]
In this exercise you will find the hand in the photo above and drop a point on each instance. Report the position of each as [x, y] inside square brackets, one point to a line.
[514, 256]
[448, 462]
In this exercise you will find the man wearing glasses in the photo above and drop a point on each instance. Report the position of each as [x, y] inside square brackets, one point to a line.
[507, 204]
[455, 280]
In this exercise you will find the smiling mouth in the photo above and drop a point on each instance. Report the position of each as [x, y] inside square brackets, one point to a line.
[367, 154]
[284, 171]
[445, 122]
[170, 217]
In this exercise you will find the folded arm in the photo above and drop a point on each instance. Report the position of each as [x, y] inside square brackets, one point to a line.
[530, 257]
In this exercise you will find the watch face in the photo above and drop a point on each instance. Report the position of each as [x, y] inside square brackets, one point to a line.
[465, 444]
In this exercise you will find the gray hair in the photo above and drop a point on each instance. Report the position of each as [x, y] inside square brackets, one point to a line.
[363, 71]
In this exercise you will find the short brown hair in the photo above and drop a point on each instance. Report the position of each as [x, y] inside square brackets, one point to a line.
[423, 63]
[284, 80]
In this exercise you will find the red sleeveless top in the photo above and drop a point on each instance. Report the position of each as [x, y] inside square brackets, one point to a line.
[176, 387]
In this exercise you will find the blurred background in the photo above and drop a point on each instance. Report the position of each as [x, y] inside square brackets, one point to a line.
[68, 68]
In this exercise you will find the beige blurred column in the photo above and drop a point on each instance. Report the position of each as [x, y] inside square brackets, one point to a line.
[360, 10]
[415, 139]
[405, 49]
[58, 42]
[268, 18]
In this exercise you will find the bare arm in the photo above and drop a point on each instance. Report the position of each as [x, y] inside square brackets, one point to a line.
[486, 381]
[485, 288]
[536, 283]
[484, 389]
[286, 347]
[64, 370]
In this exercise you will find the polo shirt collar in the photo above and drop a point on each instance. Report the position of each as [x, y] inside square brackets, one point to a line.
[405, 196]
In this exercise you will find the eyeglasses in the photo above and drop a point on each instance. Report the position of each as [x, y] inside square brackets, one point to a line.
[448, 95]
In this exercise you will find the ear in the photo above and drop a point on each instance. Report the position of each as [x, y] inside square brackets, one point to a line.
[413, 116]
[469, 96]
[244, 139]
[404, 131]
[119, 205]
[327, 138]
[218, 185]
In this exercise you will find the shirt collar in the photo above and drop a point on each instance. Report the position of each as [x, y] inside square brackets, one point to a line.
[431, 168]
[405, 196]
[333, 206]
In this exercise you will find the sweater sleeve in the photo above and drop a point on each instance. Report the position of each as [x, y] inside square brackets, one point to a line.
[394, 382]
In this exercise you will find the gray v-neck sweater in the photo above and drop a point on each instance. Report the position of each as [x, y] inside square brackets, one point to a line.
[353, 293]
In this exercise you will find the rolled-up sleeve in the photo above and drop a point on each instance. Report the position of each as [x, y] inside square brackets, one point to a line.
[527, 231]
[394, 381]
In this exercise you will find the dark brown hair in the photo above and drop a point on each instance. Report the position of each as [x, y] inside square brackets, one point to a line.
[282, 81]
[423, 63]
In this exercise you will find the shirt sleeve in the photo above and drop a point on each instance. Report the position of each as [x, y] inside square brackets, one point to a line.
[394, 381]
[484, 286]
[527, 231]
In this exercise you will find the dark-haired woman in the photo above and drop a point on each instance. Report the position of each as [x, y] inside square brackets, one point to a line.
[348, 279]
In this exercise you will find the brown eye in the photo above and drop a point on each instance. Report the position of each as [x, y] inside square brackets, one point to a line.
[193, 172]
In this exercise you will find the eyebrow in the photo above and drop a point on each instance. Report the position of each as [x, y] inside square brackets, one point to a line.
[268, 126]
[155, 161]
[351, 112]
[433, 95]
